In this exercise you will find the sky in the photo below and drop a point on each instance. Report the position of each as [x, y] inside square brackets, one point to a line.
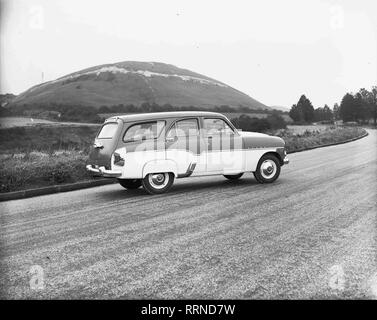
[273, 51]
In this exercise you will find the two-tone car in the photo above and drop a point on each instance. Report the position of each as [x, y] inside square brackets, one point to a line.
[153, 149]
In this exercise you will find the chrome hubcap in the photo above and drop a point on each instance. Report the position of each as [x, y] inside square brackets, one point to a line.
[268, 169]
[158, 180]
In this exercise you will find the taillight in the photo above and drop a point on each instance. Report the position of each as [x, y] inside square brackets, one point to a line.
[118, 160]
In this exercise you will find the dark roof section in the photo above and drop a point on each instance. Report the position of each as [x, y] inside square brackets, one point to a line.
[163, 115]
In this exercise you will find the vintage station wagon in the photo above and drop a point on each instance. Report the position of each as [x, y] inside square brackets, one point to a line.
[153, 149]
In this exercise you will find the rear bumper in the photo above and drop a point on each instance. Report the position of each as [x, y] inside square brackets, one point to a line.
[102, 172]
[286, 160]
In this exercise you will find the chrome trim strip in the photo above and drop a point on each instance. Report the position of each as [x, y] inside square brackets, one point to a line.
[189, 171]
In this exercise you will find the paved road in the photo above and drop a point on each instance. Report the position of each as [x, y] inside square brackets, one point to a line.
[312, 234]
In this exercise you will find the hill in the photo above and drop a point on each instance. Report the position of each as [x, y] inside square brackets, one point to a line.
[136, 83]
[6, 99]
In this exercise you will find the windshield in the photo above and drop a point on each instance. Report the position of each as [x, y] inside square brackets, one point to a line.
[107, 131]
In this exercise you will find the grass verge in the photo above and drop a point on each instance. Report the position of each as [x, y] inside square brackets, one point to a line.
[314, 138]
[39, 169]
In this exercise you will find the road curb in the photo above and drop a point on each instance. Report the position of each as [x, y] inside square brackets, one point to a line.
[54, 189]
[329, 144]
[101, 182]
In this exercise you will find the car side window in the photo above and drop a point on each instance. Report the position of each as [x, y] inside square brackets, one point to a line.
[184, 128]
[144, 131]
[213, 126]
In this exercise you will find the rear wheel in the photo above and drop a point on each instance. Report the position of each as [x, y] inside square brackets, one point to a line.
[156, 183]
[233, 176]
[268, 169]
[130, 183]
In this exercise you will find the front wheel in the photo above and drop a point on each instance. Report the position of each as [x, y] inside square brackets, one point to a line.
[268, 169]
[130, 183]
[156, 183]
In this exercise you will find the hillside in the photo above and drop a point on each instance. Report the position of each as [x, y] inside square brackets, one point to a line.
[6, 99]
[136, 83]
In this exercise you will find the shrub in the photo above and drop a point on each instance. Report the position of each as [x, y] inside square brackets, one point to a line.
[276, 121]
[246, 123]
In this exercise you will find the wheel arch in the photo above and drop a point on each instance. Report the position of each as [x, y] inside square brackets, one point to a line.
[276, 154]
[155, 166]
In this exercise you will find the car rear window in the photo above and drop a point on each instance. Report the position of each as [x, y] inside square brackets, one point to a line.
[144, 131]
[107, 131]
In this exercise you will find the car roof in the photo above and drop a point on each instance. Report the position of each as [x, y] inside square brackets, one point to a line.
[163, 115]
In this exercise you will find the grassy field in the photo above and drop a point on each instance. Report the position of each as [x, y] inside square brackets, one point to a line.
[296, 129]
[46, 138]
[45, 154]
[11, 122]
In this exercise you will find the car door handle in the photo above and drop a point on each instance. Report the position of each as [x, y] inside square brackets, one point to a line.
[170, 139]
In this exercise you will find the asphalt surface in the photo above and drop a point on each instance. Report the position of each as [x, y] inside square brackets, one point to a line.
[312, 234]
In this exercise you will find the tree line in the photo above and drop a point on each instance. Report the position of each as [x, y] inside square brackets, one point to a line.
[359, 107]
[154, 107]
[272, 122]
[84, 113]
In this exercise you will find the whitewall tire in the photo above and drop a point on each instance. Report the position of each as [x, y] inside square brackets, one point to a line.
[157, 183]
[268, 169]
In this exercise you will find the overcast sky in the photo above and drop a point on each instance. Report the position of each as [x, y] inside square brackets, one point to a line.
[272, 50]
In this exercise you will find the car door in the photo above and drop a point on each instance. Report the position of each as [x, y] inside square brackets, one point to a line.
[224, 147]
[185, 146]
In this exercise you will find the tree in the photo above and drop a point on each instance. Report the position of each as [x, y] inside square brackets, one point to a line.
[323, 114]
[369, 103]
[374, 104]
[362, 104]
[336, 111]
[359, 107]
[327, 113]
[348, 112]
[247, 123]
[303, 111]
[307, 108]
[296, 114]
